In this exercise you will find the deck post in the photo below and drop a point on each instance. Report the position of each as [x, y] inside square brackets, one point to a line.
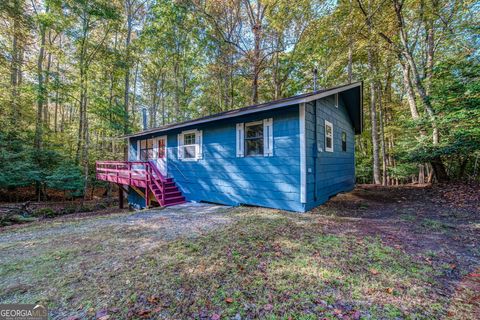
[129, 168]
[120, 196]
[147, 197]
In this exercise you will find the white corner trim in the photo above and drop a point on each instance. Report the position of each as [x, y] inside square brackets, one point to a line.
[303, 155]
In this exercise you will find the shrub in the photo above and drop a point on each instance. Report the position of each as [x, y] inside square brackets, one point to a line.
[45, 212]
[85, 208]
[68, 210]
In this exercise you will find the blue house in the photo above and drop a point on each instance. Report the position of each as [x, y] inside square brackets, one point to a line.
[292, 154]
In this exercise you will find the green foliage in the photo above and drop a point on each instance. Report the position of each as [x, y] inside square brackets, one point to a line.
[17, 163]
[66, 177]
[456, 97]
[184, 59]
[45, 212]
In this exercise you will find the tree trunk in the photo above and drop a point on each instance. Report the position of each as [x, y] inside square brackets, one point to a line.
[409, 91]
[83, 91]
[373, 119]
[127, 76]
[40, 90]
[17, 57]
[256, 64]
[382, 137]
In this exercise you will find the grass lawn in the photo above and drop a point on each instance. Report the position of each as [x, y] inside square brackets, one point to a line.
[360, 257]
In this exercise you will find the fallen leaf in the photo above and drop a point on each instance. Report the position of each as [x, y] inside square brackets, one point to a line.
[229, 300]
[153, 299]
[215, 316]
[374, 271]
[474, 275]
[144, 313]
[389, 290]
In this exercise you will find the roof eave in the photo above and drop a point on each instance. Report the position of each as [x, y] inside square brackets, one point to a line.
[280, 104]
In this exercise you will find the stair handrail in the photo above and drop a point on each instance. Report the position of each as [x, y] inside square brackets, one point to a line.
[161, 184]
[178, 169]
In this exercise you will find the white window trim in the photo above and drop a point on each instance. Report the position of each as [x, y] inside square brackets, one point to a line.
[197, 145]
[240, 140]
[155, 147]
[267, 140]
[303, 155]
[268, 137]
[329, 124]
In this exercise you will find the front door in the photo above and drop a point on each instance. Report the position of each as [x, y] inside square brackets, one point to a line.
[160, 149]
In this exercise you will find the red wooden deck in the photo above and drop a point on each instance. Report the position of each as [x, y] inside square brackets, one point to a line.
[141, 174]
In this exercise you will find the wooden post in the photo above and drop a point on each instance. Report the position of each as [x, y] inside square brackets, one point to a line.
[120, 196]
[147, 198]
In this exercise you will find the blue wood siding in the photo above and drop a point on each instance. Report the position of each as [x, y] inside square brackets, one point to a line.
[222, 177]
[328, 173]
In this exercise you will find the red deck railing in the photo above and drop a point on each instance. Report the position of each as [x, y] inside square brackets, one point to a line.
[142, 174]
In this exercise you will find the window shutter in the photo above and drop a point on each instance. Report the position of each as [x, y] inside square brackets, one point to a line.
[199, 143]
[180, 145]
[268, 137]
[240, 139]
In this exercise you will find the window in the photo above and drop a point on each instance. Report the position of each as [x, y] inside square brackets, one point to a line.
[190, 145]
[328, 136]
[344, 141]
[254, 138]
[336, 100]
[161, 148]
[146, 150]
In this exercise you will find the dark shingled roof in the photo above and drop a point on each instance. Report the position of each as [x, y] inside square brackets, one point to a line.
[354, 107]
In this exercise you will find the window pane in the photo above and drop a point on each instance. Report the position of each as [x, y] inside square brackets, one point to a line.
[329, 142]
[189, 152]
[328, 131]
[150, 154]
[254, 147]
[150, 143]
[143, 155]
[161, 149]
[344, 141]
[189, 138]
[143, 144]
[254, 131]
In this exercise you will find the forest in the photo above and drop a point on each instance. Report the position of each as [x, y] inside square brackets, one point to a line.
[77, 75]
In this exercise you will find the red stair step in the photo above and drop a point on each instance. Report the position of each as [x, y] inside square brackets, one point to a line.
[175, 203]
[174, 194]
[174, 200]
